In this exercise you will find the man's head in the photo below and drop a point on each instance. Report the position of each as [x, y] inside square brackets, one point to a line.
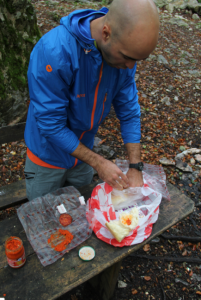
[129, 32]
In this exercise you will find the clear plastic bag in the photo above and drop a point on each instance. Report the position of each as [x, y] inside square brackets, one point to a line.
[153, 174]
[40, 219]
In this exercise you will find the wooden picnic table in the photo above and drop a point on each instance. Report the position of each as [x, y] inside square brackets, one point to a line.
[33, 281]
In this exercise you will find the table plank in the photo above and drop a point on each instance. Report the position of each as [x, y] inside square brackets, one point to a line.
[12, 133]
[13, 194]
[55, 280]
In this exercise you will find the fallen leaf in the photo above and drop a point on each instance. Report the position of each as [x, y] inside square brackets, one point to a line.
[184, 253]
[134, 292]
[147, 278]
[181, 246]
[146, 247]
[198, 293]
[191, 273]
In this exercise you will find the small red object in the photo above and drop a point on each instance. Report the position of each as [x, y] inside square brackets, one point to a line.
[65, 220]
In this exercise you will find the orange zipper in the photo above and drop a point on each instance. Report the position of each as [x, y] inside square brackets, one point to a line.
[94, 108]
[105, 98]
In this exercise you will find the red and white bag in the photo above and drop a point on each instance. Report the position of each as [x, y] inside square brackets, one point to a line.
[101, 210]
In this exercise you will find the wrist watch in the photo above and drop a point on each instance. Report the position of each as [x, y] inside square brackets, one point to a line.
[139, 166]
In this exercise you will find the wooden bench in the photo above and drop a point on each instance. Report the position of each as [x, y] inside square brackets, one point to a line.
[33, 281]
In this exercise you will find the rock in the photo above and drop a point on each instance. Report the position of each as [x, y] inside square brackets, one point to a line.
[166, 101]
[194, 72]
[192, 161]
[198, 157]
[167, 162]
[122, 284]
[104, 150]
[97, 140]
[184, 61]
[183, 166]
[162, 59]
[189, 151]
[179, 22]
[176, 98]
[181, 281]
[155, 240]
[136, 77]
[151, 57]
[160, 3]
[196, 277]
[195, 17]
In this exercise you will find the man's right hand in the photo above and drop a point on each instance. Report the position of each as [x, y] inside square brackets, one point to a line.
[107, 170]
[110, 173]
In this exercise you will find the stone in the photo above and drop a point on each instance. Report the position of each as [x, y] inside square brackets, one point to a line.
[184, 61]
[195, 17]
[167, 162]
[160, 3]
[97, 140]
[179, 22]
[156, 240]
[166, 101]
[176, 98]
[189, 151]
[192, 161]
[122, 284]
[183, 166]
[198, 157]
[162, 59]
[137, 76]
[194, 72]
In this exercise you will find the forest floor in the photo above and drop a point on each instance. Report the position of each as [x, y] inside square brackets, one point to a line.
[169, 89]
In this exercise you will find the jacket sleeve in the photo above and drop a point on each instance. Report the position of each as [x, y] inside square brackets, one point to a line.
[127, 109]
[50, 76]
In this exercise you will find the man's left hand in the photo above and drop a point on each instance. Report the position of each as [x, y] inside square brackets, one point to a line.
[135, 178]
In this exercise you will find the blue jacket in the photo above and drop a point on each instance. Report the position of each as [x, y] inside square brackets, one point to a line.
[71, 90]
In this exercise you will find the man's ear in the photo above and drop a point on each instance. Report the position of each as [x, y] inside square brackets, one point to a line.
[106, 32]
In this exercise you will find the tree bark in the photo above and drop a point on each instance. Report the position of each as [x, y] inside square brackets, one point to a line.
[18, 35]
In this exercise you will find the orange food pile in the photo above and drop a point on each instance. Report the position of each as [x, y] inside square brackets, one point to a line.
[126, 221]
[13, 244]
[66, 239]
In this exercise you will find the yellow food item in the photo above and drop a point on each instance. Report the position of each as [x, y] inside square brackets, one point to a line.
[126, 223]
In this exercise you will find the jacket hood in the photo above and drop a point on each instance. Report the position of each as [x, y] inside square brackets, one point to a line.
[78, 23]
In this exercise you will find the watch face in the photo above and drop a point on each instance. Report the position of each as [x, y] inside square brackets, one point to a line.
[140, 166]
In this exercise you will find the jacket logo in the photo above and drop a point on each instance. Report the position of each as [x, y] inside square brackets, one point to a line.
[48, 68]
[81, 95]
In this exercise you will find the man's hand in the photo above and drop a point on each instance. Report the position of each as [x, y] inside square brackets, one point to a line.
[110, 173]
[106, 169]
[135, 178]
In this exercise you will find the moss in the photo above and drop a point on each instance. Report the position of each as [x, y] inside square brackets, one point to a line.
[15, 51]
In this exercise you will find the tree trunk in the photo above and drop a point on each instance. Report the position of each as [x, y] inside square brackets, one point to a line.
[18, 34]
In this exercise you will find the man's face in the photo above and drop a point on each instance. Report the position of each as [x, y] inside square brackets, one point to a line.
[123, 52]
[114, 53]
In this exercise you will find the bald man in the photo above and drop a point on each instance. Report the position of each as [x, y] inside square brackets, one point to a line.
[76, 71]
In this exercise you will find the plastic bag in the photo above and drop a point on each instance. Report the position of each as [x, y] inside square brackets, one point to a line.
[147, 199]
[153, 174]
[40, 219]
[126, 198]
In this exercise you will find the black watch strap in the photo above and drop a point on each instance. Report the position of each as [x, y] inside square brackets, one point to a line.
[139, 166]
